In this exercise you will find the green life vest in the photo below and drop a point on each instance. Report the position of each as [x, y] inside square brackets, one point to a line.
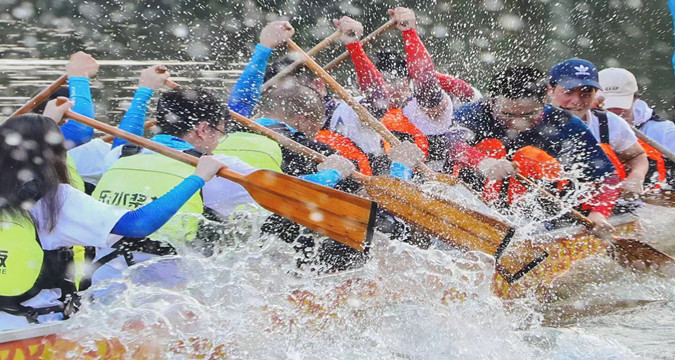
[21, 257]
[75, 179]
[26, 268]
[133, 181]
[253, 149]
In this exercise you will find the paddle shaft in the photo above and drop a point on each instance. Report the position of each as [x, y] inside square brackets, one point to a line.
[286, 142]
[290, 68]
[379, 31]
[644, 137]
[362, 112]
[41, 96]
[148, 124]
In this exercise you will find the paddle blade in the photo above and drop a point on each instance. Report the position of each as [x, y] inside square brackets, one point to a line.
[635, 253]
[448, 221]
[343, 217]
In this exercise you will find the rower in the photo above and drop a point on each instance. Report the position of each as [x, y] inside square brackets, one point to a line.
[515, 124]
[573, 86]
[422, 118]
[620, 96]
[42, 217]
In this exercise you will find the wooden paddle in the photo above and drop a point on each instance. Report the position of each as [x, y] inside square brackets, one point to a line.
[456, 226]
[343, 217]
[41, 96]
[148, 124]
[290, 68]
[627, 250]
[662, 149]
[366, 40]
[363, 113]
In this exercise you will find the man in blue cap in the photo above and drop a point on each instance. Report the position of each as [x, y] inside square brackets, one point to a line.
[573, 85]
[515, 117]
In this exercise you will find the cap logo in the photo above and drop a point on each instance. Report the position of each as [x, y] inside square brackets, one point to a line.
[612, 88]
[581, 70]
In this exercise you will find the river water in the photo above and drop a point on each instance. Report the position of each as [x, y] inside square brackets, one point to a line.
[250, 301]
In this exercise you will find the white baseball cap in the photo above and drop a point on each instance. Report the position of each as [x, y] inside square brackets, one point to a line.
[618, 87]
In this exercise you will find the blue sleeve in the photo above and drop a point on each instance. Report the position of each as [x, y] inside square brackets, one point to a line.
[150, 217]
[134, 119]
[325, 177]
[400, 171]
[73, 132]
[246, 91]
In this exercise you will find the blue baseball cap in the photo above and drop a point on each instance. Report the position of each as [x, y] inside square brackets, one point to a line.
[574, 73]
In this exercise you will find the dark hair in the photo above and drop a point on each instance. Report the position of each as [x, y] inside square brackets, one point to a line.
[391, 62]
[33, 164]
[180, 110]
[519, 82]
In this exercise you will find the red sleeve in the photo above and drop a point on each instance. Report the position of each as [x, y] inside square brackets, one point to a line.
[456, 87]
[608, 192]
[465, 154]
[421, 69]
[369, 78]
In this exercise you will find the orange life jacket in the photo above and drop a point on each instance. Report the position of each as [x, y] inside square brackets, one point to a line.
[656, 161]
[396, 122]
[345, 147]
[533, 163]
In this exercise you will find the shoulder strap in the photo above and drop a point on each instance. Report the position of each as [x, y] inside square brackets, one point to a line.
[130, 149]
[603, 122]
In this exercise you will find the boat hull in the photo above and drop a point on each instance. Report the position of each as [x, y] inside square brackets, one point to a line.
[564, 250]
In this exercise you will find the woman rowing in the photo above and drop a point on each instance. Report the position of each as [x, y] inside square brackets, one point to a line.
[43, 216]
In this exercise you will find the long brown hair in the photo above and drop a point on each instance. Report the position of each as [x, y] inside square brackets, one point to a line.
[32, 165]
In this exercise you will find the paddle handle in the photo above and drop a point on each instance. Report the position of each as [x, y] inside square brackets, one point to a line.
[148, 124]
[362, 112]
[644, 137]
[150, 145]
[41, 96]
[290, 68]
[379, 31]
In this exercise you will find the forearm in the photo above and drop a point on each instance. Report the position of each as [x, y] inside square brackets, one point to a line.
[639, 166]
[369, 78]
[134, 119]
[149, 218]
[80, 93]
[421, 69]
[247, 90]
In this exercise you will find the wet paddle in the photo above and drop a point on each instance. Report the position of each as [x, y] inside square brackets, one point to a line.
[366, 40]
[41, 96]
[343, 217]
[448, 221]
[290, 68]
[627, 250]
[148, 124]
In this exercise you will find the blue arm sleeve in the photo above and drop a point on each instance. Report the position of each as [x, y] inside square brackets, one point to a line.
[150, 217]
[75, 133]
[401, 171]
[325, 177]
[134, 119]
[246, 91]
